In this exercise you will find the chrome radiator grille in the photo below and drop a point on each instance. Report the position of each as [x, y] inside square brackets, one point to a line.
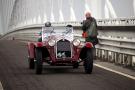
[63, 49]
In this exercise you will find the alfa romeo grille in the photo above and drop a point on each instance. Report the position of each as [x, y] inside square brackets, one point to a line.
[63, 49]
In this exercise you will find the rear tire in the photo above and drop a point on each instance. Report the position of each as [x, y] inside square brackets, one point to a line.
[88, 62]
[39, 63]
[31, 63]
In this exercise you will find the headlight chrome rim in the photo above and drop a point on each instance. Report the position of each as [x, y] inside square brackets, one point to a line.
[76, 42]
[51, 42]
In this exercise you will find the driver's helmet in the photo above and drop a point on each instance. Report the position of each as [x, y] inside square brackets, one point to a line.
[48, 24]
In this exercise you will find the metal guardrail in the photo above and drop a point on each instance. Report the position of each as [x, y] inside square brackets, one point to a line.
[100, 22]
[116, 38]
[117, 22]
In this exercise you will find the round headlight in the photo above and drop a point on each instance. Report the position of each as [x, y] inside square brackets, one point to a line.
[76, 42]
[51, 42]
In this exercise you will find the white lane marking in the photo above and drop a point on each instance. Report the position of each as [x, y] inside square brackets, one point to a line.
[120, 73]
[1, 88]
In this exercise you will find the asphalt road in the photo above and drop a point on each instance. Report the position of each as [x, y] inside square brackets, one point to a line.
[15, 75]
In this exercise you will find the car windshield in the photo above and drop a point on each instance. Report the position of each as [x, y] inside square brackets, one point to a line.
[56, 31]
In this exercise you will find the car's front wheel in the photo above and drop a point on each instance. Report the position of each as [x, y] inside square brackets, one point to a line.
[39, 62]
[88, 62]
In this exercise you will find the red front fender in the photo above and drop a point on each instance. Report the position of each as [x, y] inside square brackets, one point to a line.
[39, 44]
[31, 50]
[88, 45]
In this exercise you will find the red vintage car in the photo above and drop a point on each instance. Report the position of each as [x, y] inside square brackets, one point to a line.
[60, 47]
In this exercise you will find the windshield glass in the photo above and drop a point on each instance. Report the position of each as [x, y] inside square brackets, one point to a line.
[57, 32]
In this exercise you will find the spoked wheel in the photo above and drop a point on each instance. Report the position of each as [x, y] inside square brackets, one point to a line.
[31, 63]
[88, 62]
[39, 63]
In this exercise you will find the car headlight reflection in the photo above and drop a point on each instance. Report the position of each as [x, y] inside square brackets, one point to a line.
[76, 42]
[51, 42]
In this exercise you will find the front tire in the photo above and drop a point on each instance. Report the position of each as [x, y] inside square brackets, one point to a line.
[39, 63]
[88, 62]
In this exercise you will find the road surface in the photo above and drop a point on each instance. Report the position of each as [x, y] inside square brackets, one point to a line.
[15, 75]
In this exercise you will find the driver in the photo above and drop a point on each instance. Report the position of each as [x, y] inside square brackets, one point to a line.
[47, 24]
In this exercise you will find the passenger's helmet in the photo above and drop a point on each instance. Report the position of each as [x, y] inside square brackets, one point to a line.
[69, 25]
[48, 24]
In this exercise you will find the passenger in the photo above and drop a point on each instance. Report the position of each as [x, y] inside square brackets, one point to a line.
[69, 25]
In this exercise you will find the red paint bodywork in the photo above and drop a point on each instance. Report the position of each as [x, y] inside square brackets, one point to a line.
[39, 44]
[88, 44]
[31, 50]
[52, 51]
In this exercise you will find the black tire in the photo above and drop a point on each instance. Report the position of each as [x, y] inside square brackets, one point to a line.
[39, 63]
[88, 62]
[76, 65]
[31, 63]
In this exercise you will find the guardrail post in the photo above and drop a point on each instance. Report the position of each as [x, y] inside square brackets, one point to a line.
[120, 58]
[133, 62]
[125, 59]
[97, 53]
[109, 56]
[129, 59]
[117, 57]
[106, 55]
[113, 57]
[100, 54]
[103, 55]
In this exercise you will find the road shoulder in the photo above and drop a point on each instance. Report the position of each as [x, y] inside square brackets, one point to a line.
[116, 69]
